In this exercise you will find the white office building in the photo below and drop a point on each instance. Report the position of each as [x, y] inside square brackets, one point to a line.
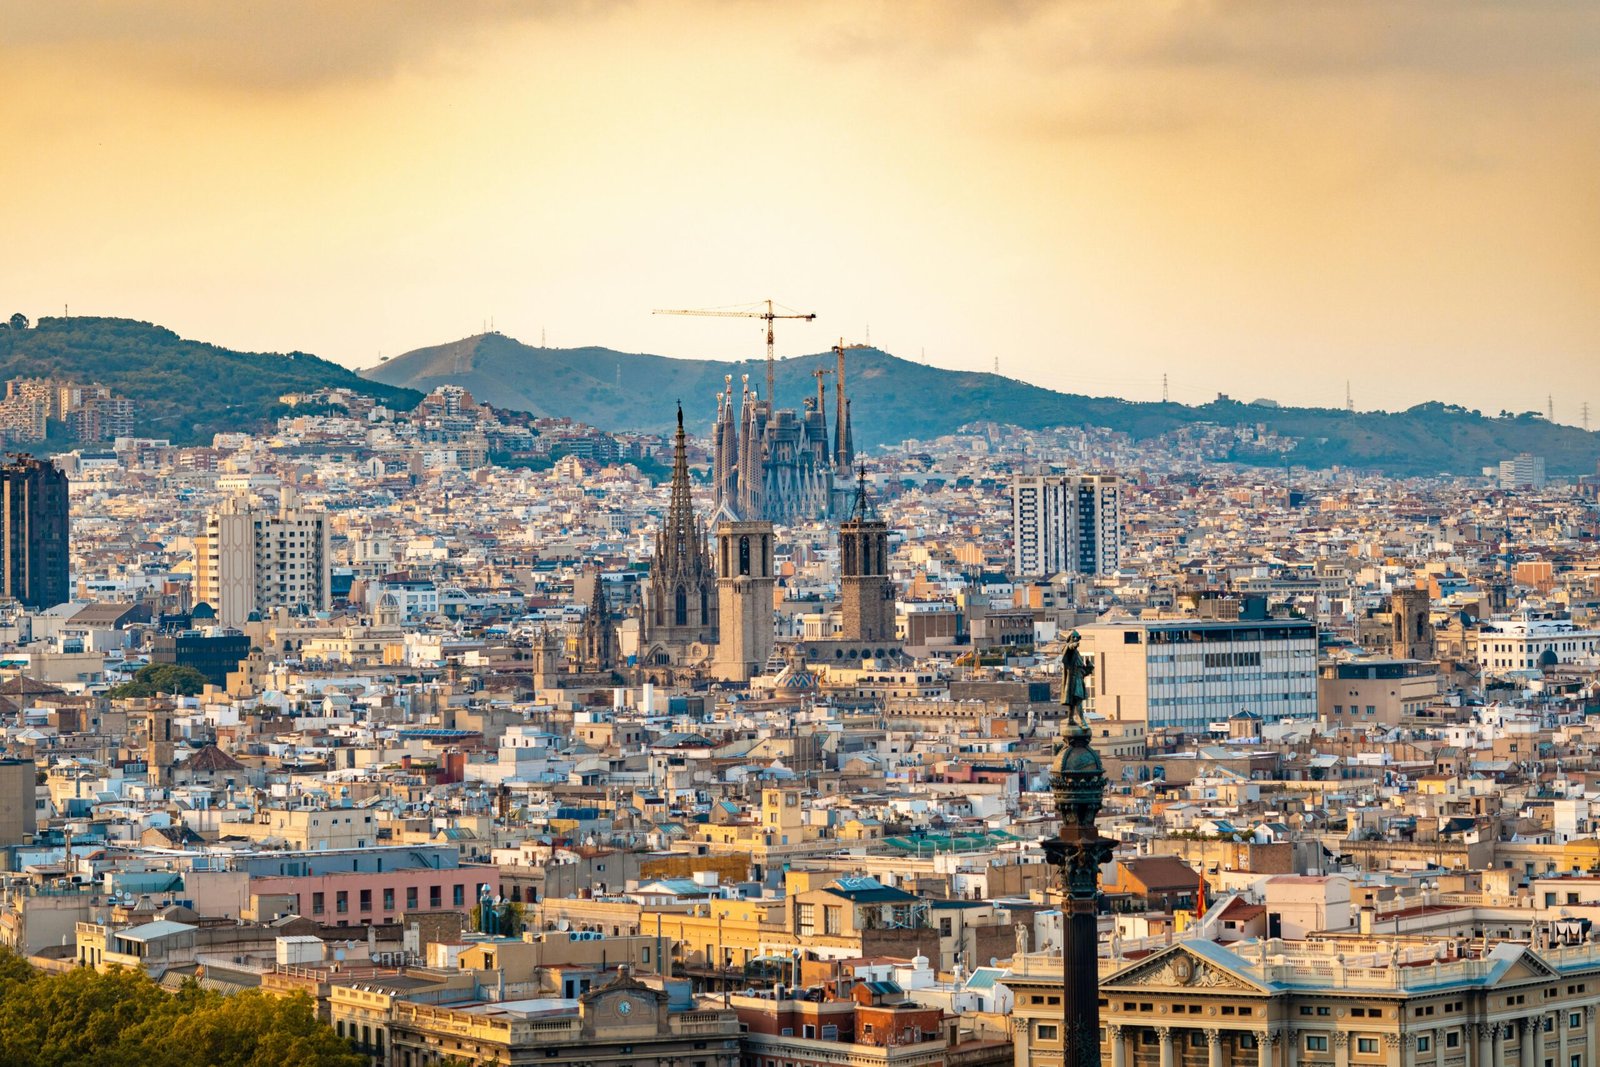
[1066, 524]
[1189, 673]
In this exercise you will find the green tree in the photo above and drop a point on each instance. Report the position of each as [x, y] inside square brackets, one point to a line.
[154, 678]
[19, 321]
[123, 1019]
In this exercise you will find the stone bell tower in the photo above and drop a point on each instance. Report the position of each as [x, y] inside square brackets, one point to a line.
[744, 599]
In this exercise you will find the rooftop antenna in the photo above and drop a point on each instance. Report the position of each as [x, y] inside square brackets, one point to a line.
[1164, 396]
[1585, 413]
[541, 338]
[997, 364]
[1349, 401]
[1550, 405]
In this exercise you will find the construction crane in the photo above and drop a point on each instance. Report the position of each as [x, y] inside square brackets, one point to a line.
[839, 396]
[755, 311]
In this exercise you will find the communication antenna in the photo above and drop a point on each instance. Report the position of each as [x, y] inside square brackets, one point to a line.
[1550, 406]
[1164, 396]
[997, 364]
[1349, 401]
[541, 338]
[1585, 410]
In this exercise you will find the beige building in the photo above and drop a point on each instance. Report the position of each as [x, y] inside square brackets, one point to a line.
[252, 558]
[1383, 692]
[1341, 1002]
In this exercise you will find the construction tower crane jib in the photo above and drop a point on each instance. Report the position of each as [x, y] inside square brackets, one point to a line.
[766, 310]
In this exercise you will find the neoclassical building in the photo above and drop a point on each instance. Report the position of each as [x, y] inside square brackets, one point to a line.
[1333, 1003]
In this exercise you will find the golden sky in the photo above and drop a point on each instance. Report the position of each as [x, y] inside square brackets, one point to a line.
[1264, 199]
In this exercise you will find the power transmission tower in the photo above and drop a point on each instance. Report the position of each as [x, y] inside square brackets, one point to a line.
[1349, 401]
[1585, 411]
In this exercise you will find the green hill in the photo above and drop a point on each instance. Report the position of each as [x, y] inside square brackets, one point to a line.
[894, 399]
[184, 390]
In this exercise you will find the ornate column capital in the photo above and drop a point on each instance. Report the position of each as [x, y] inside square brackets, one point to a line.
[1392, 1040]
[1114, 1031]
[1269, 1038]
[1532, 1024]
[1164, 1033]
[1213, 1036]
[1341, 1039]
[1588, 1013]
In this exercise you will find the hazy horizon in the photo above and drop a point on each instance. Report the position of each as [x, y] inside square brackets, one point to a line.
[1252, 199]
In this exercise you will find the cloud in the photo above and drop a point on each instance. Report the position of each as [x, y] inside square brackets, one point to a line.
[268, 44]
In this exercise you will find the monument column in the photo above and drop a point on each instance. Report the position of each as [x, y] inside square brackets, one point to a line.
[1165, 1034]
[1078, 780]
[1264, 1042]
[1214, 1048]
[1119, 1050]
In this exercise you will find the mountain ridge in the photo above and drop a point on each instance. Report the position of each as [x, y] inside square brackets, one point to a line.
[634, 391]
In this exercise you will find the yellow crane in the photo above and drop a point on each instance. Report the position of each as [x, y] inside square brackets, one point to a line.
[769, 312]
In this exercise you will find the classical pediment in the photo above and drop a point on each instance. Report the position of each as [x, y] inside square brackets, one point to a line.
[1178, 969]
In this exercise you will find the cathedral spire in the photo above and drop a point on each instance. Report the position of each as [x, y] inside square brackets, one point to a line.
[677, 533]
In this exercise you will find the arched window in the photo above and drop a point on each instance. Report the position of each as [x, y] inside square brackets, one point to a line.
[680, 607]
[744, 554]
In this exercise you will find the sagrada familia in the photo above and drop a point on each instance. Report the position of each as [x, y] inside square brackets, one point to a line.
[777, 465]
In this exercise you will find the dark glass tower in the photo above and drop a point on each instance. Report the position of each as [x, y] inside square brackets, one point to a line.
[33, 501]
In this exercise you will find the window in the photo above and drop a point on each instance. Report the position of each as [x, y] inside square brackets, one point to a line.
[1043, 1032]
[458, 895]
[318, 904]
[1574, 1021]
[1197, 1038]
[388, 900]
[1247, 1040]
[1316, 1042]
[1367, 1045]
[411, 897]
[436, 896]
[341, 902]
[1424, 1043]
[830, 918]
[1452, 1039]
[366, 900]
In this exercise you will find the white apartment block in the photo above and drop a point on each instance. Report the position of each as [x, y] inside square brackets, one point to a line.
[1522, 471]
[1188, 673]
[253, 558]
[1066, 523]
[1525, 643]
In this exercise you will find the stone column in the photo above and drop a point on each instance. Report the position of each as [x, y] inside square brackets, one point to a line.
[1291, 1046]
[1591, 1054]
[1396, 1057]
[1341, 1048]
[1532, 1042]
[1118, 1049]
[1214, 1047]
[1021, 1040]
[1264, 1042]
[1483, 1034]
[1562, 1058]
[1165, 1034]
